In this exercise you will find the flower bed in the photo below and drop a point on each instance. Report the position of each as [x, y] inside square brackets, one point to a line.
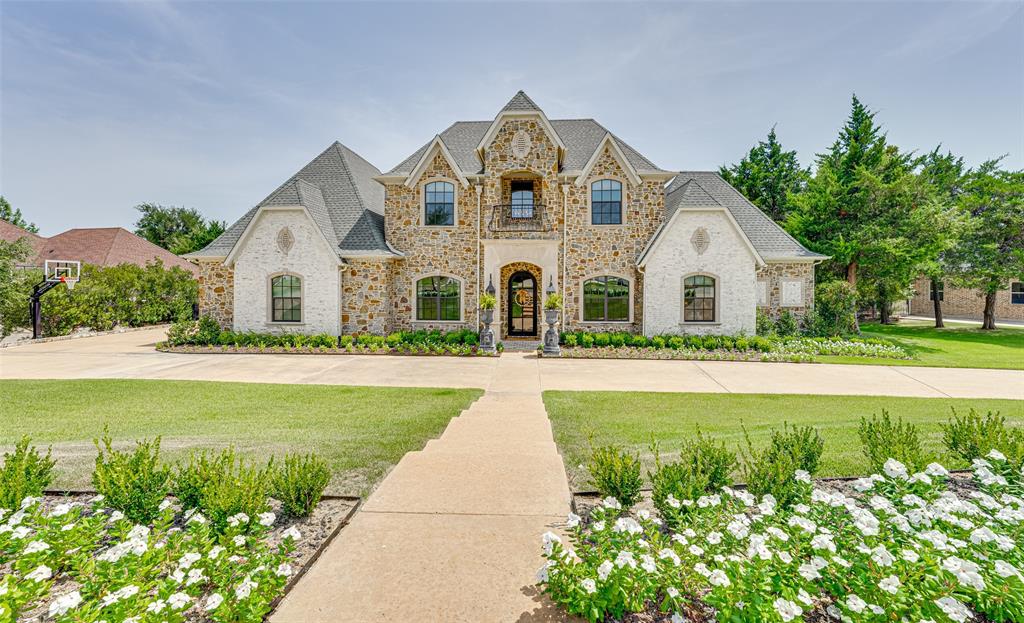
[895, 547]
[71, 558]
[585, 345]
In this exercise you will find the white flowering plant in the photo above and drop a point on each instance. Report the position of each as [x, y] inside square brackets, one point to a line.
[901, 547]
[83, 562]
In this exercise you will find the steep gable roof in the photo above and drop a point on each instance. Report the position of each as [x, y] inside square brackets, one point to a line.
[338, 190]
[521, 102]
[703, 189]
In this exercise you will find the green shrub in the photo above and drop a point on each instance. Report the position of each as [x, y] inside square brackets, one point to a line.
[802, 443]
[587, 341]
[764, 323]
[602, 339]
[298, 483]
[132, 482]
[239, 487]
[703, 467]
[25, 473]
[658, 342]
[741, 344]
[616, 473]
[638, 341]
[787, 324]
[882, 439]
[345, 341]
[569, 339]
[835, 307]
[618, 340]
[676, 342]
[770, 472]
[973, 436]
[192, 478]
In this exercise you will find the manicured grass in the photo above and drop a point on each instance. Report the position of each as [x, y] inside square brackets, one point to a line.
[955, 346]
[361, 431]
[634, 419]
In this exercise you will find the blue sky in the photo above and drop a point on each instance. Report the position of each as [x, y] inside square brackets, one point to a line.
[212, 105]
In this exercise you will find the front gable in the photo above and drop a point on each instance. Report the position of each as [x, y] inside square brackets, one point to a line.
[608, 160]
[437, 160]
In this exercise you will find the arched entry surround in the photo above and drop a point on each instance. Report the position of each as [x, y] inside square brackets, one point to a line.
[506, 274]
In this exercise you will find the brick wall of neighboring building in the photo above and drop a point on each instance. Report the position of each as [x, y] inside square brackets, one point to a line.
[217, 292]
[963, 302]
[778, 278]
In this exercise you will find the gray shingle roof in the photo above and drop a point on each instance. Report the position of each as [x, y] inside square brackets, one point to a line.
[521, 102]
[338, 190]
[701, 189]
[580, 136]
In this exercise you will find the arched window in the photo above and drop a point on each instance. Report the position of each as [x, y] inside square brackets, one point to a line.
[699, 299]
[438, 298]
[606, 202]
[606, 299]
[439, 203]
[286, 298]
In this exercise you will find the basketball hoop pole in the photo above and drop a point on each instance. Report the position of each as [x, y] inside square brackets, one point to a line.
[35, 307]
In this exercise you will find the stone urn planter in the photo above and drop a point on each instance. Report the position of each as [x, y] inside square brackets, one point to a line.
[551, 347]
[487, 334]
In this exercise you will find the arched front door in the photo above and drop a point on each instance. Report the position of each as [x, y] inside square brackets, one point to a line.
[522, 304]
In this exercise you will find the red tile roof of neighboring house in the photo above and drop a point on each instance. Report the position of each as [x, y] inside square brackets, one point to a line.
[100, 246]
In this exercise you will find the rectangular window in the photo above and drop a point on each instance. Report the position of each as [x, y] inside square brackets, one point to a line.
[437, 298]
[933, 292]
[522, 199]
[606, 299]
[1017, 293]
[286, 299]
[606, 202]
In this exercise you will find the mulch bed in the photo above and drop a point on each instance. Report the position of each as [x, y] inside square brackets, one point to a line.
[281, 350]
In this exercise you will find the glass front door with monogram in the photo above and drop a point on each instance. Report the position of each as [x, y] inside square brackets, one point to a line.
[522, 305]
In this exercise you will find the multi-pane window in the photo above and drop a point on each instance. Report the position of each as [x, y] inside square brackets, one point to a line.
[437, 298]
[606, 299]
[935, 293]
[1017, 293]
[606, 202]
[286, 298]
[699, 299]
[522, 199]
[439, 203]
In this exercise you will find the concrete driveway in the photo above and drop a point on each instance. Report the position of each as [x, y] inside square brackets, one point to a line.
[131, 355]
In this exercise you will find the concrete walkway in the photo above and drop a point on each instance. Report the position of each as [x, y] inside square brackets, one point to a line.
[453, 532]
[131, 355]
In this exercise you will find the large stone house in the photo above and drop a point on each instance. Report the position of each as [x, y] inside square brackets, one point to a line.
[522, 203]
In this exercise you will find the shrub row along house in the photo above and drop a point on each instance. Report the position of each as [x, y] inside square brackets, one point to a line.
[523, 203]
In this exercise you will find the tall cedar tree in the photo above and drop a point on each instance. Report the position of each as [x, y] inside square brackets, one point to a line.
[946, 174]
[14, 216]
[767, 176]
[991, 249]
[179, 230]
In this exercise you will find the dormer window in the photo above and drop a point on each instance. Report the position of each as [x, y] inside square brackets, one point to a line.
[606, 202]
[439, 204]
[522, 199]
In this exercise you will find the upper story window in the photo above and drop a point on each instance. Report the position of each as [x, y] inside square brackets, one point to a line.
[606, 202]
[439, 203]
[699, 299]
[936, 293]
[286, 298]
[522, 199]
[1017, 293]
[438, 298]
[606, 299]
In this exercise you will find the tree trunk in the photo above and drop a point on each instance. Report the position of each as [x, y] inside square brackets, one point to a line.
[937, 304]
[851, 273]
[989, 316]
[883, 312]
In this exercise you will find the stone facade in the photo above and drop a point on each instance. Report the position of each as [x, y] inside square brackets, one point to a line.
[963, 302]
[785, 285]
[725, 257]
[366, 291]
[217, 292]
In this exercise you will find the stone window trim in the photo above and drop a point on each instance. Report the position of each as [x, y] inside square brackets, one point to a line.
[423, 202]
[682, 300]
[270, 300]
[590, 200]
[606, 273]
[415, 299]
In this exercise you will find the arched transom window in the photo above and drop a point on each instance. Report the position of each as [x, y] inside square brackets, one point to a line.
[699, 299]
[439, 203]
[606, 202]
[438, 298]
[606, 299]
[286, 298]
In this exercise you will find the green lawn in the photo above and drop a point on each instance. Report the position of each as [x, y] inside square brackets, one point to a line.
[361, 431]
[633, 419]
[956, 346]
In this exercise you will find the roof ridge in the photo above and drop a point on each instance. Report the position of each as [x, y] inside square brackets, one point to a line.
[348, 174]
[355, 153]
[521, 102]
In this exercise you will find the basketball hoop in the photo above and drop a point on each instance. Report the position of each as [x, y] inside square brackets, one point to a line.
[70, 283]
[55, 272]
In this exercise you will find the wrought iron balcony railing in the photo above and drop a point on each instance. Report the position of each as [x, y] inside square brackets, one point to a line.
[519, 217]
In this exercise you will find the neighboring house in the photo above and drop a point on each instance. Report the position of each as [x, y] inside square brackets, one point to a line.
[100, 246]
[966, 302]
[523, 203]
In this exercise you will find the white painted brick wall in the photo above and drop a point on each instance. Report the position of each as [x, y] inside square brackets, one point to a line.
[310, 258]
[727, 258]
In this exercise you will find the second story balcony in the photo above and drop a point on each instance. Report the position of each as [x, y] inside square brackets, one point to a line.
[519, 217]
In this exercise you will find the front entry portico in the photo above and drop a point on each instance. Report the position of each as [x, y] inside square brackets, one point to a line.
[520, 271]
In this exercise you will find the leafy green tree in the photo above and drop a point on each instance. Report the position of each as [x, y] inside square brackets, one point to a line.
[768, 176]
[837, 215]
[13, 296]
[946, 174]
[179, 230]
[14, 217]
[990, 251]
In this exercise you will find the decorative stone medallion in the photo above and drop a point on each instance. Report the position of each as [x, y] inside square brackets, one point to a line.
[700, 240]
[521, 144]
[285, 240]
